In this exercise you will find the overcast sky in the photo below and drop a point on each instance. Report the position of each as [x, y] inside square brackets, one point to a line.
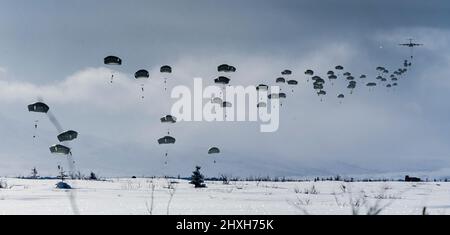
[55, 49]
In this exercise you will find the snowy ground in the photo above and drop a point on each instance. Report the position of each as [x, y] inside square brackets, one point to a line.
[133, 196]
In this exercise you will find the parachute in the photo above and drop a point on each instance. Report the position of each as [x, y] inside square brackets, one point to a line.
[261, 105]
[168, 119]
[142, 75]
[217, 100]
[112, 61]
[166, 140]
[227, 104]
[347, 74]
[222, 80]
[286, 72]
[309, 72]
[262, 87]
[363, 76]
[339, 67]
[329, 73]
[67, 136]
[280, 80]
[214, 151]
[292, 83]
[38, 107]
[341, 96]
[226, 68]
[60, 149]
[165, 69]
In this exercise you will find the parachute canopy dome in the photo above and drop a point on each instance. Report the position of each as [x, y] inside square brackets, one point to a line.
[226, 104]
[370, 84]
[214, 150]
[142, 74]
[167, 140]
[168, 119]
[38, 107]
[261, 105]
[292, 82]
[339, 67]
[222, 80]
[226, 68]
[166, 69]
[286, 72]
[262, 87]
[309, 72]
[280, 80]
[67, 136]
[341, 96]
[60, 149]
[217, 100]
[112, 60]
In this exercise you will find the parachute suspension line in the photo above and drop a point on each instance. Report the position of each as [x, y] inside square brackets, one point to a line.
[112, 78]
[35, 128]
[165, 84]
[142, 89]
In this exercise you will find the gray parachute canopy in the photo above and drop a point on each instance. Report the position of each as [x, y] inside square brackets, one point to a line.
[309, 72]
[141, 74]
[165, 69]
[292, 82]
[394, 79]
[350, 78]
[330, 73]
[363, 76]
[379, 68]
[286, 72]
[341, 96]
[226, 68]
[112, 60]
[388, 85]
[168, 119]
[277, 96]
[262, 87]
[227, 104]
[214, 150]
[280, 80]
[321, 92]
[38, 107]
[315, 78]
[351, 86]
[318, 86]
[67, 136]
[319, 81]
[60, 149]
[394, 84]
[261, 105]
[332, 77]
[339, 67]
[222, 80]
[217, 100]
[167, 140]
[371, 84]
[347, 74]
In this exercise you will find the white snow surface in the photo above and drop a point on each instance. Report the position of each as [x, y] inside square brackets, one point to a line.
[133, 196]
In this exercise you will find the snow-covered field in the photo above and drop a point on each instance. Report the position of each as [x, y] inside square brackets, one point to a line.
[134, 196]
